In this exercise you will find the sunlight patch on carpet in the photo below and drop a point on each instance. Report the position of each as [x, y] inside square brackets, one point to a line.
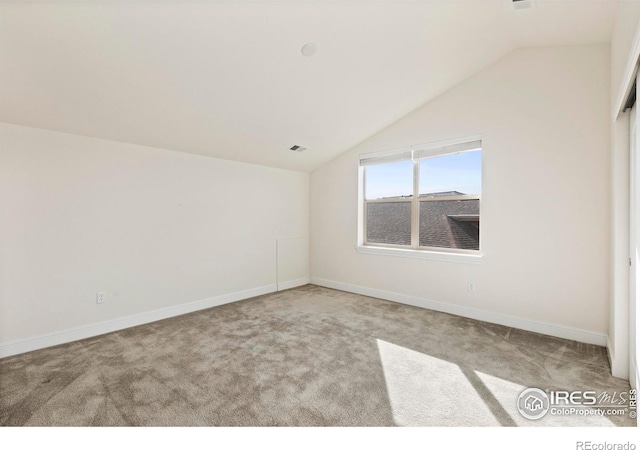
[424, 390]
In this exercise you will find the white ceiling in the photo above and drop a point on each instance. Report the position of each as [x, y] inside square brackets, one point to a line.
[228, 80]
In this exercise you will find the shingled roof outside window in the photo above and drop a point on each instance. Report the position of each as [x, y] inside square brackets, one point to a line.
[448, 220]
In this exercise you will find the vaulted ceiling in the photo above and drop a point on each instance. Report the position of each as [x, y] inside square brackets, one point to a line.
[228, 80]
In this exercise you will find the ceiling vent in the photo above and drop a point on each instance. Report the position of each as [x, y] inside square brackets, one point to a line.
[522, 4]
[297, 148]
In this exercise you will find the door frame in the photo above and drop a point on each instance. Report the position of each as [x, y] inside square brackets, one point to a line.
[634, 240]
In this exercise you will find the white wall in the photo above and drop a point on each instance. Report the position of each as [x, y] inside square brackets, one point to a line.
[544, 117]
[623, 61]
[151, 227]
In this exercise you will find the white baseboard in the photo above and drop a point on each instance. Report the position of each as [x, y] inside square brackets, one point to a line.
[282, 285]
[574, 334]
[74, 334]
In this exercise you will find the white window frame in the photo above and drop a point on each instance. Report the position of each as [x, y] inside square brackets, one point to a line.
[414, 250]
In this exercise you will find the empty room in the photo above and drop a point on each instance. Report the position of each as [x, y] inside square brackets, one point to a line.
[319, 214]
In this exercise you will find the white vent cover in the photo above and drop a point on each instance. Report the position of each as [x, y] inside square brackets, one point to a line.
[522, 4]
[297, 148]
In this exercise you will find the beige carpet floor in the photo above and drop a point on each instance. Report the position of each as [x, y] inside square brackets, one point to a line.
[308, 356]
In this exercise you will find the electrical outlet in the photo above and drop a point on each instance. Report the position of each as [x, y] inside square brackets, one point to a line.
[472, 286]
[101, 297]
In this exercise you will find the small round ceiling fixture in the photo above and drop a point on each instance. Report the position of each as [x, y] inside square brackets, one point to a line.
[309, 49]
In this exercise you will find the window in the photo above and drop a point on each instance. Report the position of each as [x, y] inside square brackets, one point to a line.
[423, 198]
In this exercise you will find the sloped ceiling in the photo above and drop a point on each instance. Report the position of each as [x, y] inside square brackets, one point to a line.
[228, 79]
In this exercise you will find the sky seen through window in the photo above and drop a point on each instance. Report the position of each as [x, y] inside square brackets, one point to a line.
[460, 172]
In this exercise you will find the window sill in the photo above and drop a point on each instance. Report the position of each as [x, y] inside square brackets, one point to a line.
[464, 258]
